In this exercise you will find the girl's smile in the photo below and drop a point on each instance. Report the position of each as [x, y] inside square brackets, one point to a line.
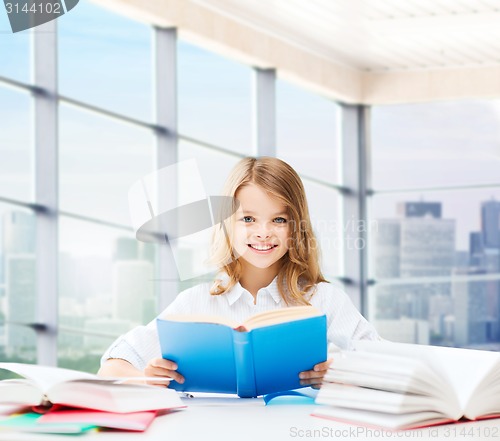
[262, 248]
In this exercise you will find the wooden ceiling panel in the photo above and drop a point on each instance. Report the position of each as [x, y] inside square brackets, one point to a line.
[380, 34]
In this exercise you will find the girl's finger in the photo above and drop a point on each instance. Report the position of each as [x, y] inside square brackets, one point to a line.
[311, 381]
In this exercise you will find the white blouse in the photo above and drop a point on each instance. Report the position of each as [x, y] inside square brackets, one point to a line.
[344, 322]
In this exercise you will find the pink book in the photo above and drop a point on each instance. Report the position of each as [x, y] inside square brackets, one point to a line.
[134, 421]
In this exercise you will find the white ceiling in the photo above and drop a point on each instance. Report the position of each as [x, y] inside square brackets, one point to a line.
[379, 35]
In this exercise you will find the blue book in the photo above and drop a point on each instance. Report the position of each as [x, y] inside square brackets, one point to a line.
[260, 356]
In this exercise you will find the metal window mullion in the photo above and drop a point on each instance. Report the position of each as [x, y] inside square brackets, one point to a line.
[165, 70]
[46, 189]
[264, 112]
[365, 183]
[354, 177]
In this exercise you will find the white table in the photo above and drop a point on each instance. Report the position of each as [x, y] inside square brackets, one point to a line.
[222, 418]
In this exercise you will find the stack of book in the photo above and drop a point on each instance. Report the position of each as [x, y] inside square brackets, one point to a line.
[56, 400]
[403, 386]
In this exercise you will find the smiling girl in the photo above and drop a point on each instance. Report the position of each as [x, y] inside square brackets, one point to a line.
[268, 259]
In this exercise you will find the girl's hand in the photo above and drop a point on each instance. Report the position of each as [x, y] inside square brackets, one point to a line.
[314, 377]
[161, 368]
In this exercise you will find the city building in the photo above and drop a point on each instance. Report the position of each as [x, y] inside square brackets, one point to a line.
[418, 245]
[490, 224]
[472, 318]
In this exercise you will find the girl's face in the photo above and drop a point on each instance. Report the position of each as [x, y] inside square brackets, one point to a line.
[262, 228]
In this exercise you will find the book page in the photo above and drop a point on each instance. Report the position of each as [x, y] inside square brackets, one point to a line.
[387, 372]
[44, 377]
[265, 318]
[380, 419]
[463, 369]
[281, 315]
[201, 318]
[375, 400]
[20, 392]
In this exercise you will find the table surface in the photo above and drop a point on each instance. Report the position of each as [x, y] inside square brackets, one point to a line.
[224, 418]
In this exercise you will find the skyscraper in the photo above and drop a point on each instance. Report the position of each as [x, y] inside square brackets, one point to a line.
[387, 241]
[420, 244]
[471, 310]
[21, 303]
[427, 247]
[20, 270]
[18, 233]
[476, 249]
[132, 286]
[420, 209]
[126, 248]
[490, 231]
[490, 224]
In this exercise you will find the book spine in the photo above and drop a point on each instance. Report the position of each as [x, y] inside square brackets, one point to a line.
[245, 370]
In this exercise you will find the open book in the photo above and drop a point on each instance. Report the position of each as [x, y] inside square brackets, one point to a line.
[403, 386]
[264, 354]
[45, 385]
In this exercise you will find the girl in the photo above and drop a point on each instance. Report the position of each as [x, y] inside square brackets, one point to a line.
[268, 260]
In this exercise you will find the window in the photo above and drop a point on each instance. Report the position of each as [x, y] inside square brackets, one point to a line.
[105, 61]
[17, 284]
[307, 138]
[100, 159]
[16, 178]
[191, 252]
[325, 211]
[436, 144]
[106, 287]
[308, 132]
[214, 99]
[435, 251]
[15, 50]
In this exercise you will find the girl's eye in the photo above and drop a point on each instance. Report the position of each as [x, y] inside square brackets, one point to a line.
[280, 220]
[247, 219]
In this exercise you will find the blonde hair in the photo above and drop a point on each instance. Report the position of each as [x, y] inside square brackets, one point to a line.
[300, 270]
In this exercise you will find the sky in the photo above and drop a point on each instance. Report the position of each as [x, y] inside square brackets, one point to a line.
[105, 60]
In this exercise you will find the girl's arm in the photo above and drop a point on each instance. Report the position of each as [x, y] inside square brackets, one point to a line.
[116, 367]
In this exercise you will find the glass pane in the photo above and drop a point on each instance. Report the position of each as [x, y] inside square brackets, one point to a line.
[462, 313]
[214, 167]
[16, 177]
[99, 161]
[15, 51]
[307, 132]
[83, 352]
[324, 207]
[435, 144]
[214, 99]
[105, 60]
[432, 234]
[17, 284]
[193, 250]
[107, 286]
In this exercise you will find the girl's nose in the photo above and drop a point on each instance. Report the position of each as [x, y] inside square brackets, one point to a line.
[263, 231]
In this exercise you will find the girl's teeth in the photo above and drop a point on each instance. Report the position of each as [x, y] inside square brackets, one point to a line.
[261, 248]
